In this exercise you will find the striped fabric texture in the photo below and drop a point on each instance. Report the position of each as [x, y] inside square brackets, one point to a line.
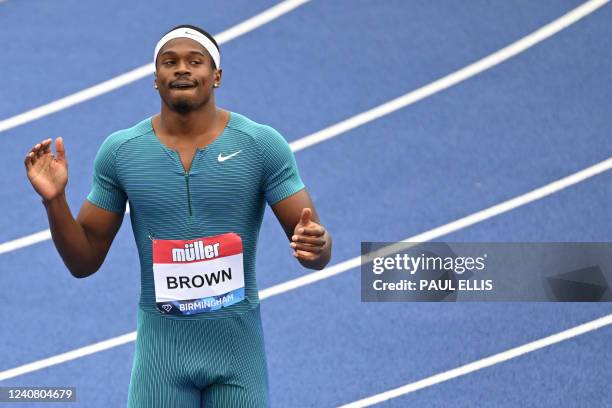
[199, 363]
[215, 196]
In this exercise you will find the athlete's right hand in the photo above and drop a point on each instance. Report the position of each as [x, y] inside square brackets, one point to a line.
[48, 174]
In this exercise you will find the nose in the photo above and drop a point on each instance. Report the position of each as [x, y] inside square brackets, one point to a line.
[182, 68]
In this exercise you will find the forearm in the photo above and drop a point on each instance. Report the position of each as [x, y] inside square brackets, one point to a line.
[70, 238]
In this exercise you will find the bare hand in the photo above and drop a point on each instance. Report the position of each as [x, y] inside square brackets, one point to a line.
[47, 173]
[308, 238]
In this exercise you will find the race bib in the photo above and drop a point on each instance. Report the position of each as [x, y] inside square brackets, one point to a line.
[199, 275]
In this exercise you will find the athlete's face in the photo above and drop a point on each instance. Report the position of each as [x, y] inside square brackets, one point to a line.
[184, 75]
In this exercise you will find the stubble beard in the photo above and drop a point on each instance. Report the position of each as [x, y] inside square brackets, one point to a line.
[185, 106]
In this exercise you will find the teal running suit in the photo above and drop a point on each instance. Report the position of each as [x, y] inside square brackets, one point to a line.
[215, 358]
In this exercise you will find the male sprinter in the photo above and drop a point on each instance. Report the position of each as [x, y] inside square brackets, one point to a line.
[197, 178]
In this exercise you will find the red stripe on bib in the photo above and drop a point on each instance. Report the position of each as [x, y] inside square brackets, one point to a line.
[196, 250]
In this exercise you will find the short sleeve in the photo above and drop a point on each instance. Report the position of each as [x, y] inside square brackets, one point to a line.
[106, 191]
[281, 177]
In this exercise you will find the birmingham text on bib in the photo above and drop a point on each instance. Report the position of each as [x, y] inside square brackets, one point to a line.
[198, 275]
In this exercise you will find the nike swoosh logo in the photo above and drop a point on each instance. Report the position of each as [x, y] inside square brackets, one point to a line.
[222, 158]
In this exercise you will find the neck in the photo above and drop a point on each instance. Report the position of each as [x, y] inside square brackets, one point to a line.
[195, 124]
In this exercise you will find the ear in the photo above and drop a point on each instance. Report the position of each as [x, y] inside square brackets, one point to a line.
[217, 76]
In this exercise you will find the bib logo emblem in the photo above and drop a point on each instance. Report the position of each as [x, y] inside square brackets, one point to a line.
[167, 307]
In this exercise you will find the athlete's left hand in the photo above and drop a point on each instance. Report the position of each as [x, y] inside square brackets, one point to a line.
[309, 238]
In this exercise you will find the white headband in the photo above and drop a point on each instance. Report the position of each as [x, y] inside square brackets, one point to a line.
[185, 32]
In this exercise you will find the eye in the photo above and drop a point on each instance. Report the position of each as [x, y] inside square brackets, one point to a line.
[168, 62]
[196, 62]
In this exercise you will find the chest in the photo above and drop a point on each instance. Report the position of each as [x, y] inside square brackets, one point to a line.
[186, 155]
[220, 179]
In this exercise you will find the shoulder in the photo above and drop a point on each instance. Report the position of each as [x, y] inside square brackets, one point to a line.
[117, 139]
[264, 135]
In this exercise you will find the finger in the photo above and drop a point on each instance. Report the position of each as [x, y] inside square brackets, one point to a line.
[306, 216]
[40, 149]
[39, 146]
[306, 248]
[317, 231]
[60, 149]
[28, 160]
[46, 146]
[304, 256]
[308, 240]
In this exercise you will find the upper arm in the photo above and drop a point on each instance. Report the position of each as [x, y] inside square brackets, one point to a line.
[107, 190]
[281, 181]
[102, 213]
[100, 226]
[281, 177]
[288, 211]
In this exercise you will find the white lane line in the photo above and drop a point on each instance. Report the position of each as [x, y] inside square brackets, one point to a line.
[393, 105]
[446, 229]
[341, 267]
[452, 79]
[352, 263]
[71, 355]
[134, 75]
[25, 241]
[483, 363]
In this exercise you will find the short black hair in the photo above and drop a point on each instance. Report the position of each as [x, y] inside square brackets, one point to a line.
[202, 31]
